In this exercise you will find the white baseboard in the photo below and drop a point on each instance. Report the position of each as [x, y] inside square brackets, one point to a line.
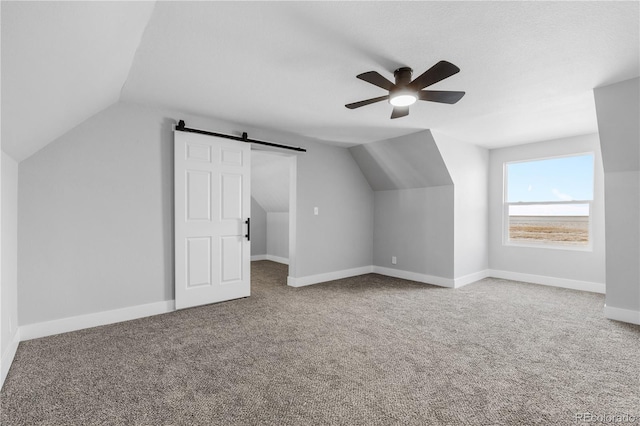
[270, 257]
[476, 276]
[329, 276]
[396, 273]
[8, 355]
[414, 276]
[64, 325]
[549, 281]
[278, 259]
[624, 315]
[471, 278]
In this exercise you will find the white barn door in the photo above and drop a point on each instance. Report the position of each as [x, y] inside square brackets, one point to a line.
[212, 179]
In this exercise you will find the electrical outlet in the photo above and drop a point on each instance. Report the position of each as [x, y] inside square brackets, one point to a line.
[315, 211]
[394, 260]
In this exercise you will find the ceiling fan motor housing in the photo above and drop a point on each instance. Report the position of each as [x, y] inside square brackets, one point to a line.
[403, 76]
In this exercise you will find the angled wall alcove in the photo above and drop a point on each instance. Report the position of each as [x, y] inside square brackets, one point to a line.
[430, 208]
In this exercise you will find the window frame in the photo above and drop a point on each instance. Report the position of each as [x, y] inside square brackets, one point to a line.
[506, 241]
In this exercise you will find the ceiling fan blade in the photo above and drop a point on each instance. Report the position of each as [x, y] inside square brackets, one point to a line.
[444, 97]
[399, 112]
[376, 79]
[439, 71]
[366, 102]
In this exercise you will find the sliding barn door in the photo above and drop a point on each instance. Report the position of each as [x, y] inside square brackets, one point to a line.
[212, 207]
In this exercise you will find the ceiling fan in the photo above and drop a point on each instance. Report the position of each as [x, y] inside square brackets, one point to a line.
[405, 92]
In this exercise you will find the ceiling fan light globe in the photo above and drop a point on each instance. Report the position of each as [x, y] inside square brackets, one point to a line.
[403, 99]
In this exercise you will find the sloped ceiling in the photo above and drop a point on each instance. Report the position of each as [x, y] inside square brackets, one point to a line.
[528, 67]
[405, 162]
[270, 181]
[63, 62]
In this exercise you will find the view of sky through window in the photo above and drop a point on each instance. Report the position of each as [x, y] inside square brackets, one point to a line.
[551, 180]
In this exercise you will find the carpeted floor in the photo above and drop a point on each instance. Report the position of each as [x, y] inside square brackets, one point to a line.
[358, 351]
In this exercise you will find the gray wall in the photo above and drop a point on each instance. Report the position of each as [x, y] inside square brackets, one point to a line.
[9, 233]
[95, 221]
[340, 237]
[618, 109]
[413, 204]
[416, 226]
[586, 266]
[468, 167]
[278, 234]
[258, 229]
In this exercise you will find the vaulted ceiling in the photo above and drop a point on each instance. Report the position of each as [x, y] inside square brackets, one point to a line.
[270, 180]
[528, 67]
[63, 62]
[411, 161]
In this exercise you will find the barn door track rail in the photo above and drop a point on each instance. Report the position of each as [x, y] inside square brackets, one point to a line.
[244, 138]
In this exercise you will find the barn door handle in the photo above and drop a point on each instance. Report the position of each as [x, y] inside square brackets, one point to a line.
[248, 234]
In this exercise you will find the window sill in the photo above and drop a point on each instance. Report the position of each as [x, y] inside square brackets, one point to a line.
[587, 248]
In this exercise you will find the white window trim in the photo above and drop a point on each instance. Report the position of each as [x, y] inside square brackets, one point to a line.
[506, 241]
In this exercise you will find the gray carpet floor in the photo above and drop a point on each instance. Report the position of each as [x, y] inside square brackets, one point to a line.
[359, 351]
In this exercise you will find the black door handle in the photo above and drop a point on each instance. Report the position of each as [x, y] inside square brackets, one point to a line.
[248, 234]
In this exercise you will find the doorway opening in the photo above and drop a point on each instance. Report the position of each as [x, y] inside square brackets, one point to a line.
[273, 207]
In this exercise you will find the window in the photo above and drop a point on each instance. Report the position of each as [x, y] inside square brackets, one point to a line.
[548, 202]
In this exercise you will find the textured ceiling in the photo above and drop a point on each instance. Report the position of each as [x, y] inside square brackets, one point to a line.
[528, 67]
